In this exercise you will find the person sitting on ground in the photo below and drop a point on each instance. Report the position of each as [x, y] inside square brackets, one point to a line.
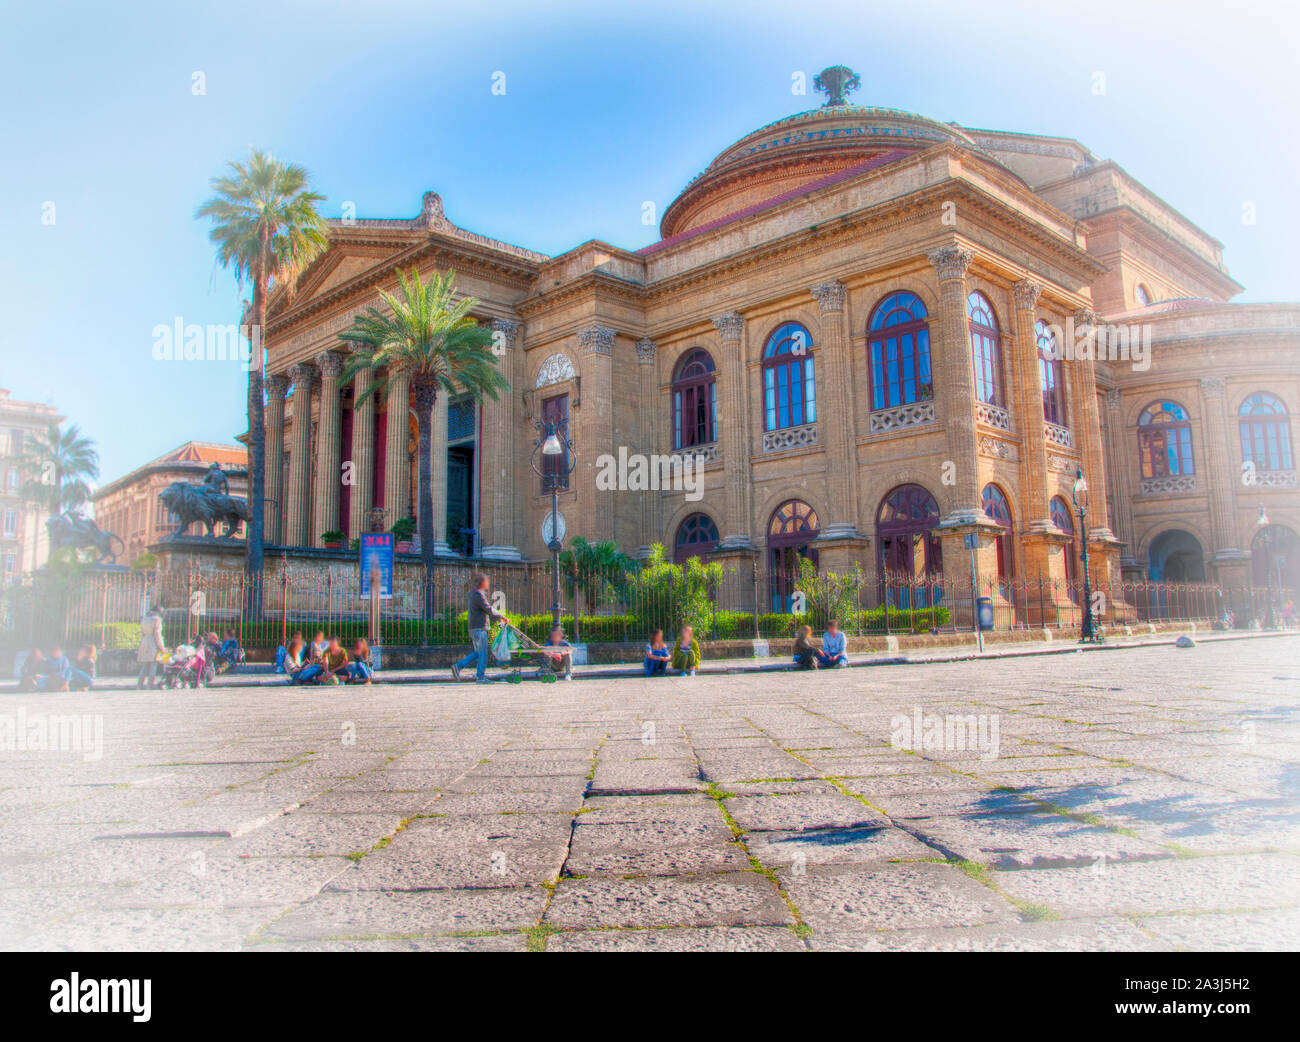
[832, 654]
[686, 652]
[359, 670]
[657, 655]
[557, 654]
[86, 663]
[60, 674]
[805, 650]
[231, 652]
[33, 671]
[294, 658]
[316, 650]
[332, 667]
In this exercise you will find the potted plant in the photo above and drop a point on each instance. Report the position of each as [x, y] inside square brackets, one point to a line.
[333, 539]
[402, 531]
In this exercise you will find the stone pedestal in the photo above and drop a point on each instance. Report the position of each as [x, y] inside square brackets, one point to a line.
[1049, 603]
[952, 533]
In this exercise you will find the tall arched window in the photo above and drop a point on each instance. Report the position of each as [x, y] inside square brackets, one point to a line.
[985, 349]
[898, 351]
[696, 535]
[790, 532]
[1265, 433]
[997, 509]
[908, 550]
[695, 401]
[789, 390]
[1165, 441]
[1064, 520]
[1050, 377]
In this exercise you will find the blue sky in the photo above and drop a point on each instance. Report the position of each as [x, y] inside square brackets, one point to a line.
[607, 106]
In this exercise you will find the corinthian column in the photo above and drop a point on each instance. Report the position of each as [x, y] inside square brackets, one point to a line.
[595, 426]
[496, 520]
[298, 508]
[647, 417]
[1218, 471]
[276, 385]
[734, 441]
[954, 383]
[836, 417]
[397, 464]
[362, 452]
[329, 462]
[438, 467]
[1033, 445]
[1119, 464]
[1084, 387]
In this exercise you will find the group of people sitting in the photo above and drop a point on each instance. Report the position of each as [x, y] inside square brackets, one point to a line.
[324, 661]
[831, 654]
[683, 656]
[55, 672]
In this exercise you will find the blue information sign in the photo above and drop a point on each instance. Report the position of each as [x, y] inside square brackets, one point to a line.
[377, 552]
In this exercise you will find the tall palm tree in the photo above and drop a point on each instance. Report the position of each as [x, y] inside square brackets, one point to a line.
[267, 229]
[426, 333]
[57, 466]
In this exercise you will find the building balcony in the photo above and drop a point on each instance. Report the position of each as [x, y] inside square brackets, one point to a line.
[705, 454]
[1171, 485]
[790, 438]
[1275, 479]
[912, 414]
[993, 416]
[1054, 434]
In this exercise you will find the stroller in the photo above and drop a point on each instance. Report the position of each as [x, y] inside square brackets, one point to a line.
[188, 666]
[509, 641]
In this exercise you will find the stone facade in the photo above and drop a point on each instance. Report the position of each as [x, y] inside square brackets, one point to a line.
[787, 263]
[24, 543]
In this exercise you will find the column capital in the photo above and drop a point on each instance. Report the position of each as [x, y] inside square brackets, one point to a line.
[1084, 320]
[1212, 387]
[951, 261]
[1114, 399]
[730, 325]
[596, 340]
[330, 364]
[276, 384]
[829, 295]
[303, 374]
[1026, 293]
[504, 332]
[645, 351]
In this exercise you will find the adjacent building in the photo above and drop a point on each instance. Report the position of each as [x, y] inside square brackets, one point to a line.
[24, 541]
[873, 332]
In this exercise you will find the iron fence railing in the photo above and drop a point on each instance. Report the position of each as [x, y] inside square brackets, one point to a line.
[611, 606]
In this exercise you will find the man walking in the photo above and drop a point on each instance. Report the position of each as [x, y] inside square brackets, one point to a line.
[481, 616]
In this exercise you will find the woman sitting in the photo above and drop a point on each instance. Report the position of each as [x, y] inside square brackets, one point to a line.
[360, 670]
[84, 665]
[290, 660]
[686, 652]
[805, 651]
[657, 655]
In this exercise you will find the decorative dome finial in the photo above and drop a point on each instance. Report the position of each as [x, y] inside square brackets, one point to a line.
[836, 82]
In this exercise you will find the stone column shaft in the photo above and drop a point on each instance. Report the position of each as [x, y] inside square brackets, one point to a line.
[954, 382]
[298, 495]
[595, 428]
[1218, 470]
[397, 464]
[438, 467]
[733, 410]
[648, 433]
[835, 414]
[1033, 445]
[329, 451]
[276, 385]
[496, 519]
[362, 453]
[1088, 427]
[1120, 464]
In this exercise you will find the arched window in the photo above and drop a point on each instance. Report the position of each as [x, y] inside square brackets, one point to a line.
[907, 546]
[898, 352]
[696, 535]
[790, 533]
[985, 349]
[997, 509]
[1165, 441]
[695, 401]
[789, 391]
[1142, 295]
[1265, 433]
[1064, 520]
[1050, 377]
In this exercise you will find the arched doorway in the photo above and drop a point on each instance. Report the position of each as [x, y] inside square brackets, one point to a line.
[696, 535]
[1176, 557]
[908, 552]
[790, 533]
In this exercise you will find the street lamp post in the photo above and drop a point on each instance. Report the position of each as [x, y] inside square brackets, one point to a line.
[1266, 538]
[1081, 505]
[553, 461]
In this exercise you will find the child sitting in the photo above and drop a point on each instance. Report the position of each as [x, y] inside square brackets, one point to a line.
[83, 667]
[686, 652]
[558, 654]
[232, 654]
[657, 655]
[805, 651]
[360, 671]
[832, 654]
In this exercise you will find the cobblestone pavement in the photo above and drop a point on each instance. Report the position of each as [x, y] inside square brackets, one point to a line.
[1137, 799]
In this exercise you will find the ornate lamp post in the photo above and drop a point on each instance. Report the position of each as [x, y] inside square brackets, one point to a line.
[1081, 505]
[553, 461]
[1266, 539]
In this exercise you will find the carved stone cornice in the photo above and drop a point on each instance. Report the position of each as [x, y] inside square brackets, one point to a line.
[596, 340]
[504, 331]
[645, 351]
[952, 261]
[1212, 387]
[330, 364]
[1026, 293]
[730, 326]
[829, 295]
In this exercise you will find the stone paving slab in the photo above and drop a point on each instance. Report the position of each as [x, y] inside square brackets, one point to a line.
[759, 812]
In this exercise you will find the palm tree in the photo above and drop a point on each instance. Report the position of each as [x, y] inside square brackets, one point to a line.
[427, 334]
[267, 229]
[57, 466]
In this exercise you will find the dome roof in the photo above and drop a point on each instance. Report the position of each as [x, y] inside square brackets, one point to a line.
[797, 151]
